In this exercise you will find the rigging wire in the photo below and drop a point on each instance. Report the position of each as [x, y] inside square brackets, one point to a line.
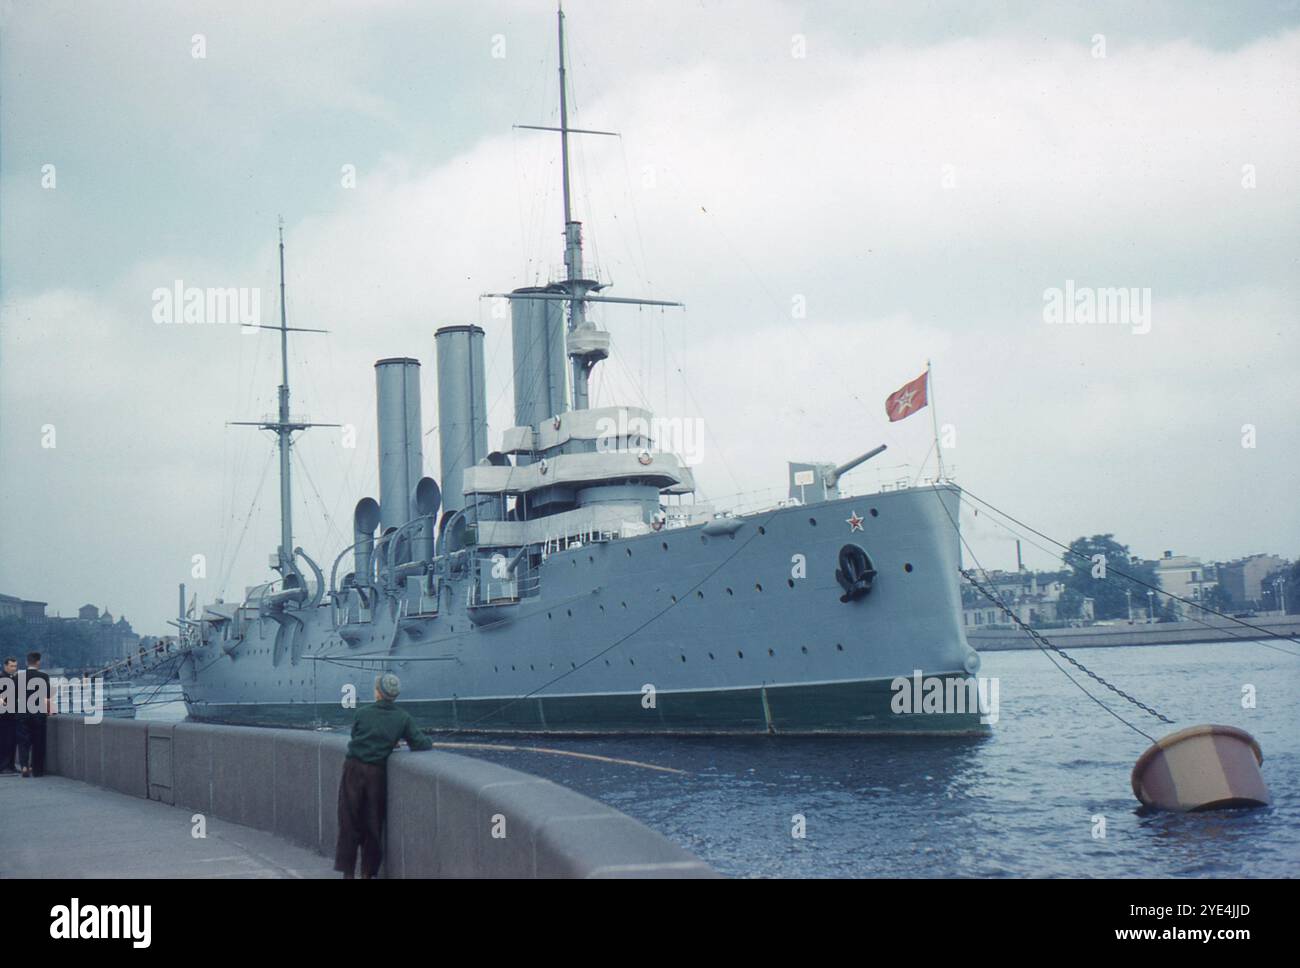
[331, 526]
[257, 494]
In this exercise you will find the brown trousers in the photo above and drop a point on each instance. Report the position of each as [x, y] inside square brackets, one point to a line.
[362, 793]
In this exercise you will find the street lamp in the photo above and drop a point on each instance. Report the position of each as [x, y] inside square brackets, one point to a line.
[1151, 608]
[1128, 593]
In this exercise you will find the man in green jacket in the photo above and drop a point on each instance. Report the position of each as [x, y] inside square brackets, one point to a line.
[364, 787]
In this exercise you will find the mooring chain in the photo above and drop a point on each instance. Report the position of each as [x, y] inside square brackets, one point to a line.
[1043, 643]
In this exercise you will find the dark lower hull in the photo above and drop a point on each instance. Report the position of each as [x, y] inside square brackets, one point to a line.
[848, 708]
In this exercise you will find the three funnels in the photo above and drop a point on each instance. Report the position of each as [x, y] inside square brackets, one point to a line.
[462, 408]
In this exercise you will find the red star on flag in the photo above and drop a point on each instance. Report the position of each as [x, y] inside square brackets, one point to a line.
[854, 522]
[907, 399]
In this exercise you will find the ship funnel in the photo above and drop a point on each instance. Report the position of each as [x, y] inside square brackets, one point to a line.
[364, 521]
[537, 331]
[462, 408]
[401, 457]
[427, 500]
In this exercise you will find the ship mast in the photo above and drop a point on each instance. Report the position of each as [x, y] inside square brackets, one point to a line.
[582, 362]
[282, 430]
[284, 426]
[586, 344]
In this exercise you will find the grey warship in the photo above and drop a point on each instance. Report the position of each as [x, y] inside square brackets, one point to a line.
[561, 583]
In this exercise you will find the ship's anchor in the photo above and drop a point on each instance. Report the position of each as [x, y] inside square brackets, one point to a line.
[855, 573]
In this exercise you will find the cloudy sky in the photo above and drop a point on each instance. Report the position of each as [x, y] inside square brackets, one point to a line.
[838, 191]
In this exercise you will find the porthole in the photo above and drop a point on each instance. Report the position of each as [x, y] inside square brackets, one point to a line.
[674, 598]
[812, 522]
[710, 655]
[839, 647]
[739, 654]
[569, 612]
[683, 658]
[875, 513]
[762, 530]
[803, 649]
[665, 545]
[730, 592]
[771, 654]
[907, 567]
[629, 552]
[758, 587]
[790, 582]
[699, 595]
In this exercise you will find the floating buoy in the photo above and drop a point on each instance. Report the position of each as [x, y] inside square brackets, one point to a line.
[1201, 768]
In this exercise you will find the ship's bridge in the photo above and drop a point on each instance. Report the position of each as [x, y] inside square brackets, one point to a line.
[665, 472]
[582, 449]
[576, 475]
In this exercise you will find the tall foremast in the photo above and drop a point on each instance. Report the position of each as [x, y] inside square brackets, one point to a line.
[585, 344]
[582, 358]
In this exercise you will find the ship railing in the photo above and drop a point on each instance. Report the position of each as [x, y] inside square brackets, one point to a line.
[526, 582]
[554, 544]
[504, 591]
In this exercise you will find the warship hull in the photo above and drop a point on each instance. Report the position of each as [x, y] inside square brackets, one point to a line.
[691, 630]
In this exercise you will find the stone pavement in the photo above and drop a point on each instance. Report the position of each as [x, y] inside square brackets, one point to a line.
[60, 828]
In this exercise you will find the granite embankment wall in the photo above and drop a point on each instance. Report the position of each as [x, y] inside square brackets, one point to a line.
[1208, 629]
[445, 812]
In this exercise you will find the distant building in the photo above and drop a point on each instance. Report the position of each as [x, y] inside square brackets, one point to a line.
[1243, 579]
[11, 607]
[1032, 596]
[110, 638]
[20, 608]
[1186, 577]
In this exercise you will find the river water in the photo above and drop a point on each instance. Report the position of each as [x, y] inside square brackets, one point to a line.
[1028, 800]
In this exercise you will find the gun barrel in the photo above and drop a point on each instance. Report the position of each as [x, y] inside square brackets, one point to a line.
[844, 468]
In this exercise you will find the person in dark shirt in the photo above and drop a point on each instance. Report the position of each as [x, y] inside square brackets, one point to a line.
[35, 705]
[9, 716]
[363, 789]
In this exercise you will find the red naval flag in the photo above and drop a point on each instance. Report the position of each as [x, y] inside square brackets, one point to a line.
[907, 399]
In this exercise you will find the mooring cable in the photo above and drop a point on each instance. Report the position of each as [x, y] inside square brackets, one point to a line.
[1138, 581]
[1046, 647]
